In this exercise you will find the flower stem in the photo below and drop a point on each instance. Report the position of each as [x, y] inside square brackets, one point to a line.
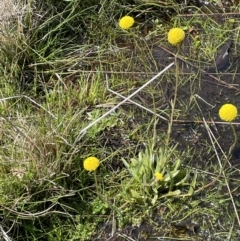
[96, 183]
[235, 139]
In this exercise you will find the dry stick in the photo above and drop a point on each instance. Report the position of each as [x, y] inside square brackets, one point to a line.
[223, 172]
[134, 72]
[209, 14]
[4, 234]
[133, 102]
[201, 122]
[83, 131]
[220, 82]
[220, 174]
[220, 148]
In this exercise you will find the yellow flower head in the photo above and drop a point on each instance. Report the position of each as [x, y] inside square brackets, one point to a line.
[91, 163]
[126, 22]
[228, 112]
[176, 36]
[158, 176]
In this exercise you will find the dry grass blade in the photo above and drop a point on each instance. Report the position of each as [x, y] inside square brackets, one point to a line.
[30, 99]
[43, 213]
[9, 10]
[213, 140]
[4, 234]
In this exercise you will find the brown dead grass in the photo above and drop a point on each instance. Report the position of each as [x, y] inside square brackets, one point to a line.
[9, 10]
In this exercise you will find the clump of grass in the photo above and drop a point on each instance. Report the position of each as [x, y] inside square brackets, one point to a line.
[50, 39]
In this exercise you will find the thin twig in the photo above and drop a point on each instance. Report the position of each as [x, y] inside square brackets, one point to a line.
[201, 122]
[136, 72]
[223, 173]
[133, 102]
[209, 14]
[215, 141]
[84, 130]
[4, 234]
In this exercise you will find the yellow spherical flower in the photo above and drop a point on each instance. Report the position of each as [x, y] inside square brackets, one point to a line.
[158, 176]
[91, 163]
[228, 112]
[176, 36]
[126, 22]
